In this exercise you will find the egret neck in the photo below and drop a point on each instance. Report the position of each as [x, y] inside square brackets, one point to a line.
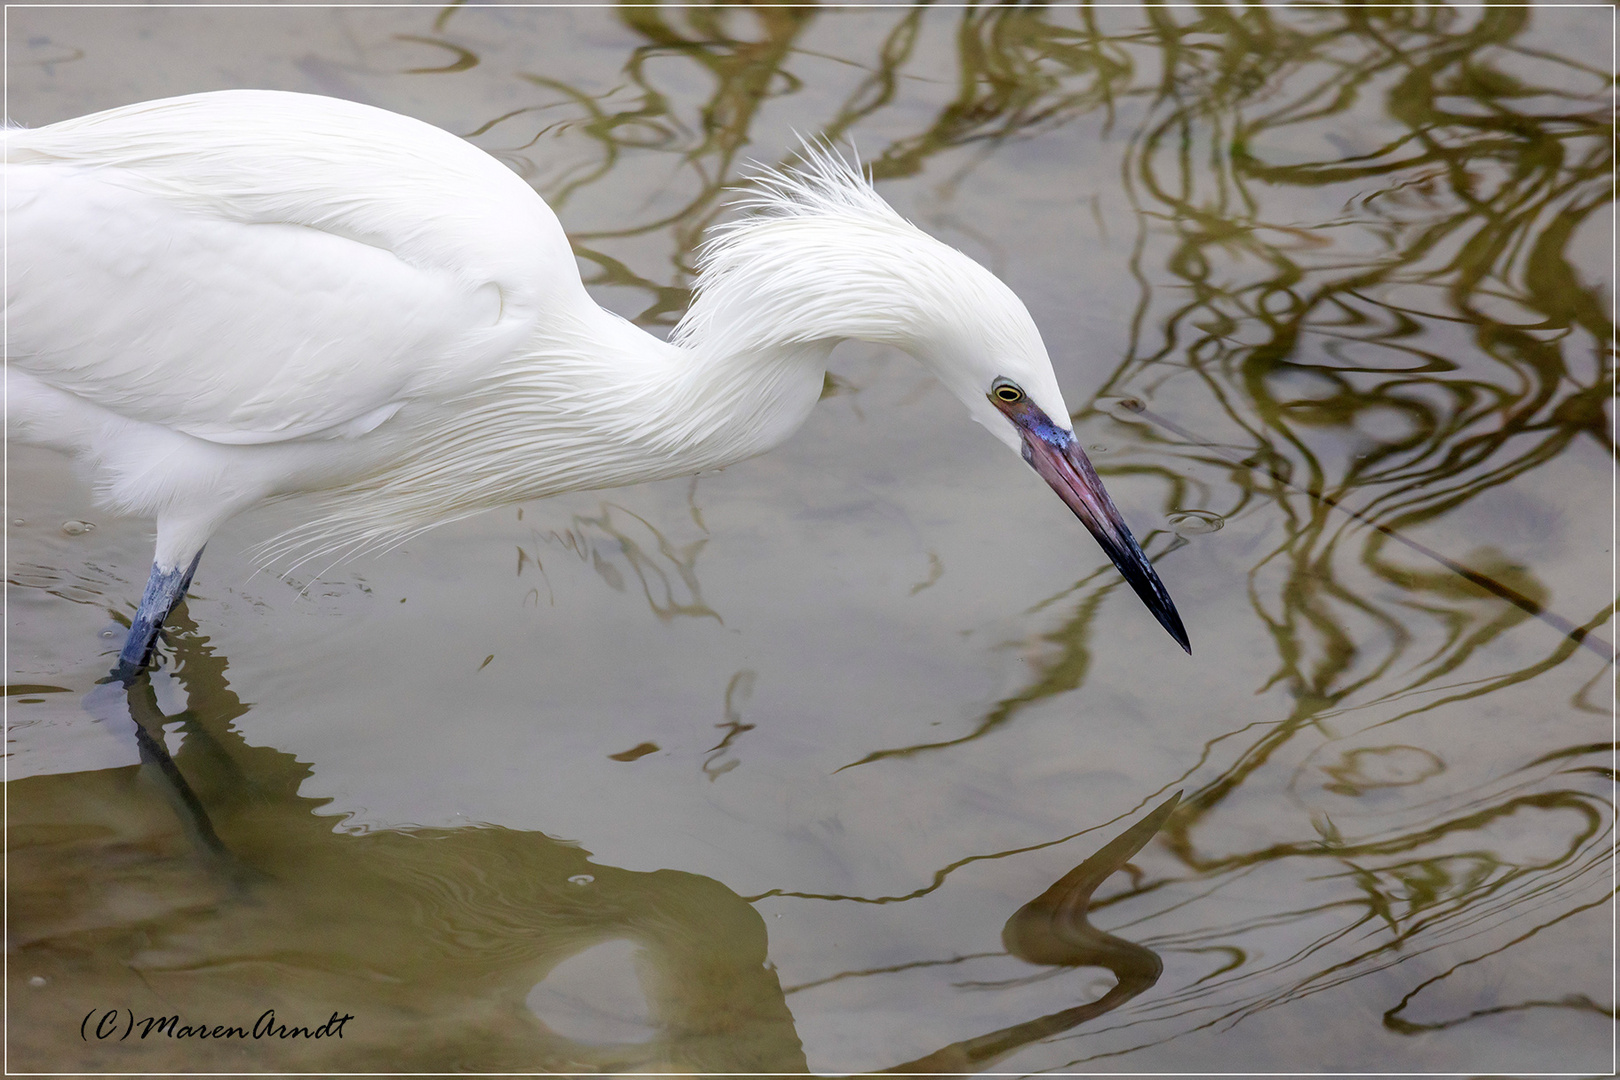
[747, 363]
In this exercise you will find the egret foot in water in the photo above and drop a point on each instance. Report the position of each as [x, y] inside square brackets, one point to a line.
[164, 589]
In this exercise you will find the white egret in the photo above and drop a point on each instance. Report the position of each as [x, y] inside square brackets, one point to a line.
[225, 298]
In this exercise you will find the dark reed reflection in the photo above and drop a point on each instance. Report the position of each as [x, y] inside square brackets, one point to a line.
[620, 544]
[1361, 318]
[202, 885]
[1052, 930]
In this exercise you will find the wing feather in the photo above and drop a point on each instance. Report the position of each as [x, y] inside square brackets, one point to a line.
[252, 266]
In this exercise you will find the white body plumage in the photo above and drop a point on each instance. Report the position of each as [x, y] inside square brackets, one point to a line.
[226, 298]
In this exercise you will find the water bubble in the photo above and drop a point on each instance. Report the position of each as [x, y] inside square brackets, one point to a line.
[1196, 522]
[1116, 405]
[18, 522]
[77, 528]
[1098, 448]
[109, 633]
[581, 879]
[37, 980]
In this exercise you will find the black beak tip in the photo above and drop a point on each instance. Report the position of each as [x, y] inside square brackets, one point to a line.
[1177, 631]
[1139, 574]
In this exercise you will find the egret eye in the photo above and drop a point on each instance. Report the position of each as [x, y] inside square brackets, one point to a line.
[1007, 392]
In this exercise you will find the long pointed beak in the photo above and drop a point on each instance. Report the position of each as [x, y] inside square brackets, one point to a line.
[1057, 456]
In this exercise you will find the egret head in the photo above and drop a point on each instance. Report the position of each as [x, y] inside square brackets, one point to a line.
[980, 341]
[822, 257]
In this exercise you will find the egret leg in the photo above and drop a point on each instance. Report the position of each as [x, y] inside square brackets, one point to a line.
[163, 590]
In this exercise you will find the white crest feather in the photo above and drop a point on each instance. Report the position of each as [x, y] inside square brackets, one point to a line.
[810, 236]
[822, 181]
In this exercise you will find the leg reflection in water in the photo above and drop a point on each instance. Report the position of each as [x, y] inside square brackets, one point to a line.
[127, 699]
[434, 940]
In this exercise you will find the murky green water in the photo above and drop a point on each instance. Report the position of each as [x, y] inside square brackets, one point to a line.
[752, 772]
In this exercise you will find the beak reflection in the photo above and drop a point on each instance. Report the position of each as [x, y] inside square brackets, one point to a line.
[1056, 455]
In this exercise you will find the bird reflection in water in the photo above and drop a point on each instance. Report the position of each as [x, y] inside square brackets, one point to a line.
[445, 944]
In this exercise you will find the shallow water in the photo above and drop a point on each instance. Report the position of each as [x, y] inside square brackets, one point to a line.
[750, 772]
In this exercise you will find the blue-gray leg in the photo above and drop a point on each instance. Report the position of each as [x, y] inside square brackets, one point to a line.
[163, 590]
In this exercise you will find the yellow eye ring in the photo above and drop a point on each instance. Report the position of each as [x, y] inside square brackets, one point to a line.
[1009, 393]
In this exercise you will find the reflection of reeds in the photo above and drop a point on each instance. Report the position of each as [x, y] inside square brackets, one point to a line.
[666, 571]
[1440, 307]
[1463, 218]
[1468, 217]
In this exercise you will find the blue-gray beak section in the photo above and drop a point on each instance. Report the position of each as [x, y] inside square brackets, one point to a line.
[1056, 455]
